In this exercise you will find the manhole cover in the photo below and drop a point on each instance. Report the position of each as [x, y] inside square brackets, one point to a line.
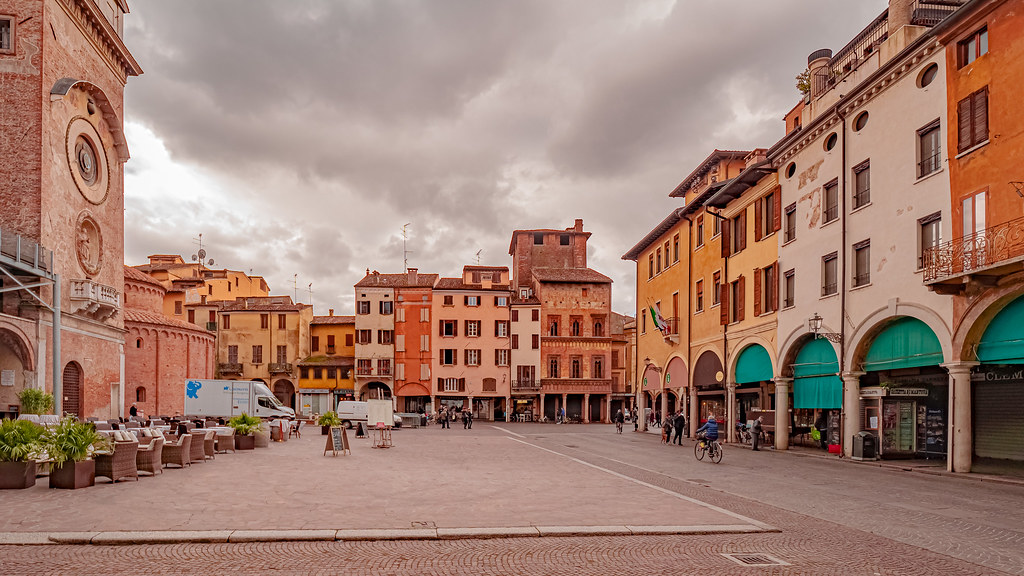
[755, 559]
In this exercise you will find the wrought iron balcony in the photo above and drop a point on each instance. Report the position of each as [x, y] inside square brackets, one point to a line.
[93, 299]
[931, 12]
[279, 367]
[990, 253]
[211, 326]
[229, 367]
[532, 384]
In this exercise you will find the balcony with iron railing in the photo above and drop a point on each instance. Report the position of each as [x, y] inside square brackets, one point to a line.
[22, 253]
[985, 255]
[930, 12]
[94, 299]
[280, 367]
[530, 384]
[229, 367]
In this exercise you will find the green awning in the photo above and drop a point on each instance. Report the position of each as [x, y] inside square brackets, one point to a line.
[816, 382]
[1003, 340]
[906, 343]
[754, 365]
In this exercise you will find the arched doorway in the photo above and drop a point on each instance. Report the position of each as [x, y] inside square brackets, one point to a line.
[752, 375]
[285, 392]
[997, 390]
[71, 382]
[15, 359]
[375, 391]
[708, 380]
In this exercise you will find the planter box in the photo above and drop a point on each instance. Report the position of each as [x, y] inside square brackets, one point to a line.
[245, 442]
[262, 439]
[324, 430]
[73, 475]
[17, 475]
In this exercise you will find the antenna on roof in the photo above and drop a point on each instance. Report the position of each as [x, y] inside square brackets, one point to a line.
[310, 288]
[295, 287]
[478, 256]
[405, 246]
[200, 255]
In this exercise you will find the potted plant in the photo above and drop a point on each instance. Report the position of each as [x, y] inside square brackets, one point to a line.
[245, 429]
[20, 442]
[326, 420]
[70, 445]
[35, 401]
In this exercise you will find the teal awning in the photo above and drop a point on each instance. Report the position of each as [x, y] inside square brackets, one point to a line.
[754, 365]
[1003, 340]
[816, 382]
[906, 343]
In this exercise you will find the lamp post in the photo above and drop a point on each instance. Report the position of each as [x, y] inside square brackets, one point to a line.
[814, 326]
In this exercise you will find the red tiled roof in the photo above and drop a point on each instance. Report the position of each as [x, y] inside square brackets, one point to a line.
[145, 317]
[329, 361]
[570, 275]
[377, 279]
[241, 307]
[139, 276]
[458, 284]
[715, 157]
[333, 320]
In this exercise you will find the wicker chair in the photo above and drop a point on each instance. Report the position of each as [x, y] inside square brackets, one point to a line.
[149, 457]
[197, 452]
[225, 441]
[210, 444]
[102, 425]
[120, 463]
[177, 452]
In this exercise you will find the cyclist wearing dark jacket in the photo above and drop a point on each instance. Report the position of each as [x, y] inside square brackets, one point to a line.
[710, 428]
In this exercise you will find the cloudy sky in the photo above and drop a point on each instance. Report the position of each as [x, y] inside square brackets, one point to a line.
[299, 137]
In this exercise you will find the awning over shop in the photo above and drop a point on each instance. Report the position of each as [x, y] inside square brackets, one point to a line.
[754, 365]
[1003, 340]
[906, 343]
[816, 382]
[707, 370]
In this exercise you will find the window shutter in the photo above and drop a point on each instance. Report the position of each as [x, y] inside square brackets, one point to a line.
[775, 286]
[741, 298]
[758, 216]
[777, 212]
[726, 232]
[496, 322]
[743, 229]
[496, 357]
[980, 121]
[964, 124]
[440, 327]
[455, 328]
[462, 384]
[723, 291]
[440, 385]
[757, 292]
[465, 357]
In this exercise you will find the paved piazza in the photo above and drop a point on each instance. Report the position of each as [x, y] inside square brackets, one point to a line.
[818, 515]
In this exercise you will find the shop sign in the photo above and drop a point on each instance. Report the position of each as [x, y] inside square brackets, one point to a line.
[349, 391]
[997, 373]
[916, 392]
[313, 391]
[873, 392]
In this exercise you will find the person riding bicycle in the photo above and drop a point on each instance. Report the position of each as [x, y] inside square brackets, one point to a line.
[709, 430]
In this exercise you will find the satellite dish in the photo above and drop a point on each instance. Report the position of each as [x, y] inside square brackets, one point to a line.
[202, 254]
[194, 257]
[211, 262]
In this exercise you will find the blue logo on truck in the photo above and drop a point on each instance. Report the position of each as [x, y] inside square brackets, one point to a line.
[192, 389]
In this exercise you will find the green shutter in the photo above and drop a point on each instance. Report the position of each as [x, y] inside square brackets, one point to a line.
[906, 343]
[754, 365]
[1003, 340]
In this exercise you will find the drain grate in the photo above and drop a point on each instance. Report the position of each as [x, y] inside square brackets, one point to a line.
[754, 559]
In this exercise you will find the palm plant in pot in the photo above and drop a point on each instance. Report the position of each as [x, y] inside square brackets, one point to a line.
[20, 443]
[326, 420]
[70, 446]
[246, 428]
[35, 401]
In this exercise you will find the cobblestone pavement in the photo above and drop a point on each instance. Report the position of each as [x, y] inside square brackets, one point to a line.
[833, 517]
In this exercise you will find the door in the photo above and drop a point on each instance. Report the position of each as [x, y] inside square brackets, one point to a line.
[899, 428]
[974, 223]
[72, 382]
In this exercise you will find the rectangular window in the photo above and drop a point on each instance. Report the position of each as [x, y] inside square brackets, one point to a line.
[472, 328]
[232, 354]
[538, 238]
[615, 360]
[830, 206]
[400, 315]
[765, 216]
[386, 337]
[501, 328]
[348, 339]
[675, 248]
[861, 184]
[332, 373]
[449, 328]
[364, 367]
[213, 315]
[699, 231]
[449, 300]
[501, 357]
[282, 321]
[424, 342]
[650, 266]
[192, 316]
[264, 321]
[424, 314]
[536, 341]
[424, 371]
[768, 290]
[400, 371]
[735, 301]
[450, 385]
[315, 343]
[862, 263]
[177, 307]
[515, 315]
[929, 236]
[716, 288]
[515, 341]
[829, 283]
[6, 35]
[363, 336]
[303, 372]
[666, 255]
[387, 307]
[384, 367]
[738, 233]
[257, 354]
[471, 300]
[535, 315]
[318, 373]
[553, 367]
[363, 307]
[472, 357]
[657, 259]
[282, 354]
[929, 149]
[225, 321]
[716, 227]
[501, 301]
[699, 304]
[563, 239]
[790, 288]
[972, 48]
[576, 367]
[330, 343]
[448, 356]
[972, 120]
[553, 325]
[790, 223]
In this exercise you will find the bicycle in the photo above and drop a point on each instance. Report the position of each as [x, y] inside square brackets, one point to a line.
[713, 449]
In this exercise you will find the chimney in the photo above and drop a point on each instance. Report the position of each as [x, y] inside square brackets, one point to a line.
[817, 66]
[367, 271]
[413, 275]
[330, 312]
[900, 12]
[579, 225]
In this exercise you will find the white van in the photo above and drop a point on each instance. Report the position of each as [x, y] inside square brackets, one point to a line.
[351, 412]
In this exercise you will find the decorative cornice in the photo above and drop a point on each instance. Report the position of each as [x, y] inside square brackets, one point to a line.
[95, 27]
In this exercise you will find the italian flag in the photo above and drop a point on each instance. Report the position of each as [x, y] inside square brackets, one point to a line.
[658, 319]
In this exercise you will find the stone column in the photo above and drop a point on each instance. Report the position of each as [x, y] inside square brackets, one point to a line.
[851, 411]
[960, 435]
[730, 412]
[607, 407]
[664, 403]
[565, 402]
[586, 409]
[694, 411]
[641, 410]
[433, 404]
[782, 413]
[508, 408]
[541, 413]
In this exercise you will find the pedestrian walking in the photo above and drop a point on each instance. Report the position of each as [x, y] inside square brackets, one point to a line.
[636, 420]
[756, 433]
[469, 418]
[678, 425]
[618, 419]
[666, 432]
[821, 425]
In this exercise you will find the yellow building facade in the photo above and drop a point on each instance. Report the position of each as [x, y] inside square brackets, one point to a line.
[327, 376]
[191, 284]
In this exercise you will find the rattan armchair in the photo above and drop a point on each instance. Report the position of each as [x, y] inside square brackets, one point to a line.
[210, 444]
[197, 452]
[225, 441]
[149, 457]
[177, 452]
[120, 463]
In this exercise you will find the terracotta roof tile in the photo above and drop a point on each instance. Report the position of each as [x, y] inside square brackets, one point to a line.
[570, 275]
[333, 320]
[139, 276]
[458, 284]
[376, 280]
[145, 317]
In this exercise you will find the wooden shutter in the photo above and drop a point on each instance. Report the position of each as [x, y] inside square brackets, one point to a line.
[462, 384]
[757, 292]
[465, 357]
[777, 212]
[980, 117]
[515, 341]
[964, 124]
[723, 290]
[440, 385]
[440, 327]
[455, 328]
[496, 322]
[726, 232]
[758, 216]
[741, 299]
[743, 229]
[775, 286]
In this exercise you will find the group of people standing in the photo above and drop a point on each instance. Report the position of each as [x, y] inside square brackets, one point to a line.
[673, 427]
[448, 414]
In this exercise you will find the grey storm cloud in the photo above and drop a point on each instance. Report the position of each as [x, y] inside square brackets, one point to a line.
[329, 124]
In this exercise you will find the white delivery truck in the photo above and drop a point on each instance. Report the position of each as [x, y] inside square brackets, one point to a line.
[227, 398]
[352, 412]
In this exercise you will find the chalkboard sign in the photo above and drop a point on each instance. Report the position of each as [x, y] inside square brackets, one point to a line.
[337, 441]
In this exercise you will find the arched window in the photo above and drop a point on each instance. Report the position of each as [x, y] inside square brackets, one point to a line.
[575, 368]
[140, 394]
[575, 327]
[138, 342]
[554, 328]
[598, 329]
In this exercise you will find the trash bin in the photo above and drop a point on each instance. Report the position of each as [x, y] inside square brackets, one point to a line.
[864, 446]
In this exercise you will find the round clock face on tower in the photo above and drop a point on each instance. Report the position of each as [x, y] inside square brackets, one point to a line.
[87, 160]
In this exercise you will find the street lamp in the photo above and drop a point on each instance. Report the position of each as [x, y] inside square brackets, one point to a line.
[814, 326]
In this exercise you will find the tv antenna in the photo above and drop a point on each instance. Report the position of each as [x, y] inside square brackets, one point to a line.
[200, 255]
[295, 288]
[478, 256]
[310, 288]
[405, 245]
